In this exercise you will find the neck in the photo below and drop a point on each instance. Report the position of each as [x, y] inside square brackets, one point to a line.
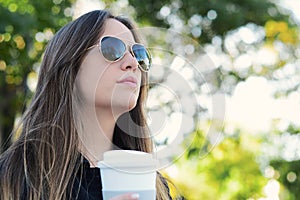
[97, 134]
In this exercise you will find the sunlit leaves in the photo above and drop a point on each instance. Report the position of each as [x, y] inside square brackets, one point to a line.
[281, 31]
[21, 6]
[228, 171]
[19, 40]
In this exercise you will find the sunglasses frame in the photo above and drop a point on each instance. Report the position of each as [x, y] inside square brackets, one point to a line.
[126, 46]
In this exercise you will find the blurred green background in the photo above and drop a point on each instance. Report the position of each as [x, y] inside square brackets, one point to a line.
[255, 47]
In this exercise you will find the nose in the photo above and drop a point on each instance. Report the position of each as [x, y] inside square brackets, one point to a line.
[129, 62]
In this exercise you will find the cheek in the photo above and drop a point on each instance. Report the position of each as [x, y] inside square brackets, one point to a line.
[104, 87]
[87, 79]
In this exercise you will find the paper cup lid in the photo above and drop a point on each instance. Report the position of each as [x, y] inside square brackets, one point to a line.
[127, 158]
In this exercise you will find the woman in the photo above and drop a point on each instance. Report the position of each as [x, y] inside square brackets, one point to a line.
[89, 99]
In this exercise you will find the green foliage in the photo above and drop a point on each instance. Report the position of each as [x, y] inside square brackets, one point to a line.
[25, 28]
[289, 177]
[228, 171]
[230, 14]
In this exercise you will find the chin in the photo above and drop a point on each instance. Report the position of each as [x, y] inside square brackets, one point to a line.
[129, 106]
[121, 107]
[129, 102]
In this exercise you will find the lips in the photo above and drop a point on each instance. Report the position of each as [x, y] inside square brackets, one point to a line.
[129, 80]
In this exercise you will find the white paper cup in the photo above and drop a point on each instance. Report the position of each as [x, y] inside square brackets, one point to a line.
[124, 171]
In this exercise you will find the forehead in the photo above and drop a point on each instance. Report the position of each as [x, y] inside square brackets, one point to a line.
[115, 28]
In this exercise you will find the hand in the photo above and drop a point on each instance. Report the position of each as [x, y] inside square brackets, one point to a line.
[128, 196]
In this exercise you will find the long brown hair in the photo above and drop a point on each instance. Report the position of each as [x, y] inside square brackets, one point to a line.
[40, 164]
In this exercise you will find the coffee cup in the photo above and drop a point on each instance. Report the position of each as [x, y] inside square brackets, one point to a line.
[128, 171]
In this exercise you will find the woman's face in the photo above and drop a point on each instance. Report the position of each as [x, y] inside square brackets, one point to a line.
[110, 85]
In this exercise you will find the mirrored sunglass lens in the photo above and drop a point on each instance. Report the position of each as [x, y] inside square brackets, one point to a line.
[112, 48]
[142, 56]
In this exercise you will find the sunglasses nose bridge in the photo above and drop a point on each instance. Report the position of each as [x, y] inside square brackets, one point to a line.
[130, 51]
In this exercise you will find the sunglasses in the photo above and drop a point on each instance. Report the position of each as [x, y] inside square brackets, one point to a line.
[113, 49]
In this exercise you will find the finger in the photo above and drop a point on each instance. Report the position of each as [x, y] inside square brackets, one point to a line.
[129, 196]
